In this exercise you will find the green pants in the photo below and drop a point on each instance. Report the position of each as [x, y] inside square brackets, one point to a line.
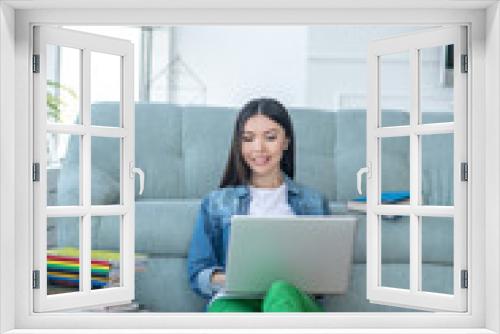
[281, 297]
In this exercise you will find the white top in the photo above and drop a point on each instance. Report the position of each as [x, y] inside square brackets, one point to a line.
[269, 202]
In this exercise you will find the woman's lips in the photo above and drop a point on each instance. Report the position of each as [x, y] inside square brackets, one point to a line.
[260, 161]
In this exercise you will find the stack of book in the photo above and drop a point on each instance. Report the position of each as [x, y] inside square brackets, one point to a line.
[64, 271]
[63, 268]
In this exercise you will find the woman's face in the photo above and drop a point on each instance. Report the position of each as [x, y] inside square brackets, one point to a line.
[262, 144]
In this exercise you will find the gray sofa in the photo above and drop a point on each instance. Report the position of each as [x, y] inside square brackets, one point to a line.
[183, 150]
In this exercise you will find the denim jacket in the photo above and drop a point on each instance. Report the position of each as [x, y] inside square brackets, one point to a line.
[208, 248]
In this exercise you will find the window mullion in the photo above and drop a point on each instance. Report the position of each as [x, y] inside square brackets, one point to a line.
[127, 236]
[40, 155]
[420, 129]
[85, 242]
[414, 162]
[415, 262]
[460, 253]
[435, 128]
[65, 211]
[420, 210]
[372, 181]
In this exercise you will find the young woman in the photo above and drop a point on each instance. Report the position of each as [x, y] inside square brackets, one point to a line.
[258, 180]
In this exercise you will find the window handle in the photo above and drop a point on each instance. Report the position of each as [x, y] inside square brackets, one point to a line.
[138, 171]
[361, 171]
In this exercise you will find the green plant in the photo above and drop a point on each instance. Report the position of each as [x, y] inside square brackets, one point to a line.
[54, 101]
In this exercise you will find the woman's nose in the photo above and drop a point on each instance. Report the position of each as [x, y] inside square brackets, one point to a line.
[258, 144]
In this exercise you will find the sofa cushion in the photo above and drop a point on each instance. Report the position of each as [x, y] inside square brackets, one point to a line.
[435, 278]
[163, 287]
[176, 295]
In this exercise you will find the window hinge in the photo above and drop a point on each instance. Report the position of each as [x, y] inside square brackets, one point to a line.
[464, 174]
[36, 172]
[36, 279]
[36, 63]
[465, 64]
[465, 279]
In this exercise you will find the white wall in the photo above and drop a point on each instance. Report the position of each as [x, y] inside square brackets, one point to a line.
[492, 148]
[7, 168]
[337, 66]
[313, 66]
[241, 62]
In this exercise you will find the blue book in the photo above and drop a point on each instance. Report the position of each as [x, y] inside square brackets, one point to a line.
[388, 197]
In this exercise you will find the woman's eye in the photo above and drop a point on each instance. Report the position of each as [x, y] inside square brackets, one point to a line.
[271, 137]
[247, 138]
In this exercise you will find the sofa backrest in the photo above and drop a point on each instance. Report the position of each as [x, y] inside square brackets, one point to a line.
[183, 151]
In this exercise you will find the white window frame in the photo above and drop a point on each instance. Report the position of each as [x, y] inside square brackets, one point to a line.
[124, 132]
[483, 146]
[414, 297]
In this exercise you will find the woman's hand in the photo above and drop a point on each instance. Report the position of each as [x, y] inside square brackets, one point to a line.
[218, 278]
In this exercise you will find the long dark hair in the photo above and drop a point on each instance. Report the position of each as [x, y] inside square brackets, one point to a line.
[237, 171]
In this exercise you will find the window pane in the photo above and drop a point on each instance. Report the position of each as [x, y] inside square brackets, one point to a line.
[63, 169]
[63, 84]
[106, 157]
[63, 255]
[395, 247]
[437, 254]
[105, 86]
[394, 90]
[437, 169]
[436, 84]
[105, 251]
[132, 34]
[395, 170]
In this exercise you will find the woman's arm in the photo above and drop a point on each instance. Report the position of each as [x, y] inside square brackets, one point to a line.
[202, 260]
[218, 278]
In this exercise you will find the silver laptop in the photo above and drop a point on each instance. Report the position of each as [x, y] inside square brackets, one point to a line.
[314, 253]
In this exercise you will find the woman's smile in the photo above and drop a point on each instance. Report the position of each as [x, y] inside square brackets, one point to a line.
[260, 161]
